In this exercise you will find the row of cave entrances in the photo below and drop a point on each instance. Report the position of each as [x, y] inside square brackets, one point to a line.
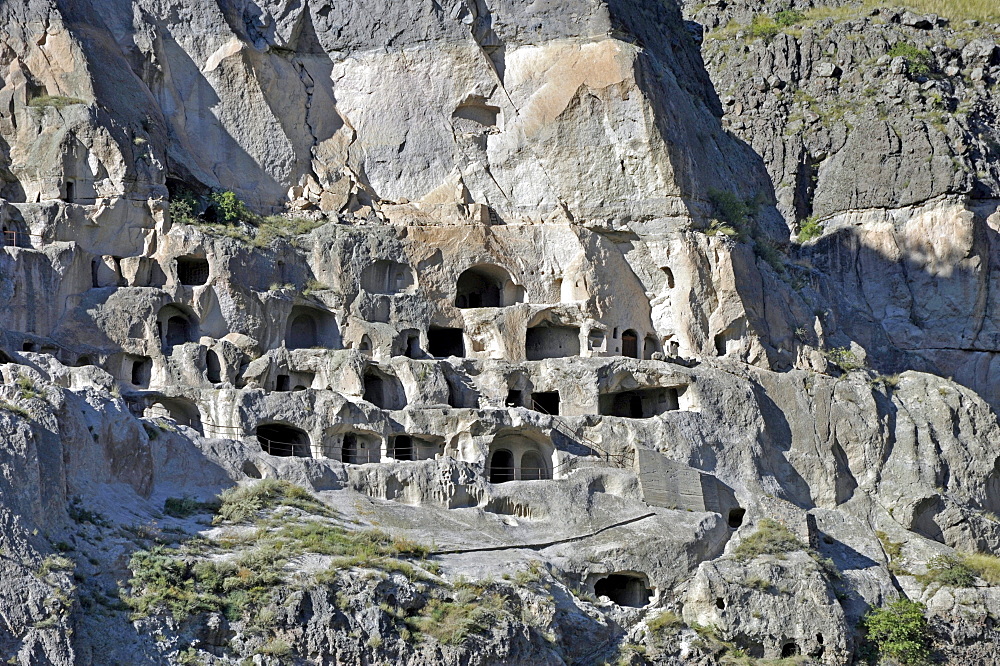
[540, 343]
[282, 440]
[480, 286]
[515, 459]
[307, 327]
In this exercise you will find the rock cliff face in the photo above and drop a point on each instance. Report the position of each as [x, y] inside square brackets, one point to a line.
[528, 332]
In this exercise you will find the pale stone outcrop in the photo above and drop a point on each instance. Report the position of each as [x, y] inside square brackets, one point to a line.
[514, 331]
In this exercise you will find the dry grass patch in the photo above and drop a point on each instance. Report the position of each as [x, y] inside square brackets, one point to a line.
[982, 10]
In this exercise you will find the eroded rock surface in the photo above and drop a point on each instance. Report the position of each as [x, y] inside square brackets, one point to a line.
[536, 309]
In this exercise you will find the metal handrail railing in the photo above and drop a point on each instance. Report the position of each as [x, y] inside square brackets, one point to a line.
[518, 474]
[623, 460]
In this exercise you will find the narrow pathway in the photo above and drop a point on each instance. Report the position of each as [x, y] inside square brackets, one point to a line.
[544, 544]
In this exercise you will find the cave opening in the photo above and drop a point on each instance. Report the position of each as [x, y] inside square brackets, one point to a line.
[624, 589]
[279, 439]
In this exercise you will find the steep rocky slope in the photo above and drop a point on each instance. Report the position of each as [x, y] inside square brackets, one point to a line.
[509, 332]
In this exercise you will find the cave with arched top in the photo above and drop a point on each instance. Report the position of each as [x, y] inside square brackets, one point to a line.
[213, 367]
[358, 448]
[383, 390]
[630, 343]
[176, 326]
[388, 277]
[550, 341]
[486, 286]
[309, 327]
[180, 410]
[280, 439]
[514, 456]
[140, 371]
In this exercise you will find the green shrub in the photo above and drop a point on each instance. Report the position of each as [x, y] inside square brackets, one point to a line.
[948, 570]
[919, 62]
[809, 229]
[788, 17]
[184, 207]
[894, 551]
[235, 220]
[899, 631]
[717, 228]
[983, 10]
[189, 657]
[279, 226]
[167, 580]
[766, 250]
[756, 583]
[240, 503]
[472, 611]
[729, 208]
[82, 515]
[55, 101]
[312, 286]
[55, 564]
[771, 538]
[665, 622]
[229, 208]
[763, 27]
[844, 358]
[183, 507]
[275, 648]
[27, 387]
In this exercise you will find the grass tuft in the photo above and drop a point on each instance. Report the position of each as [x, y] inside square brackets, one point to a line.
[771, 538]
[474, 609]
[184, 507]
[986, 566]
[241, 503]
[14, 409]
[54, 101]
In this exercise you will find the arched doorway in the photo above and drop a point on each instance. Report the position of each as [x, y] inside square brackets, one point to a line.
[358, 449]
[630, 344]
[213, 367]
[176, 326]
[501, 468]
[533, 467]
[142, 369]
[301, 332]
[649, 347]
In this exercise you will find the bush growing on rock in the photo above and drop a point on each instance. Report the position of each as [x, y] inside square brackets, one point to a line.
[730, 209]
[229, 208]
[962, 570]
[919, 62]
[844, 358]
[949, 570]
[183, 208]
[771, 538]
[241, 503]
[809, 229]
[899, 631]
[14, 409]
[184, 507]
